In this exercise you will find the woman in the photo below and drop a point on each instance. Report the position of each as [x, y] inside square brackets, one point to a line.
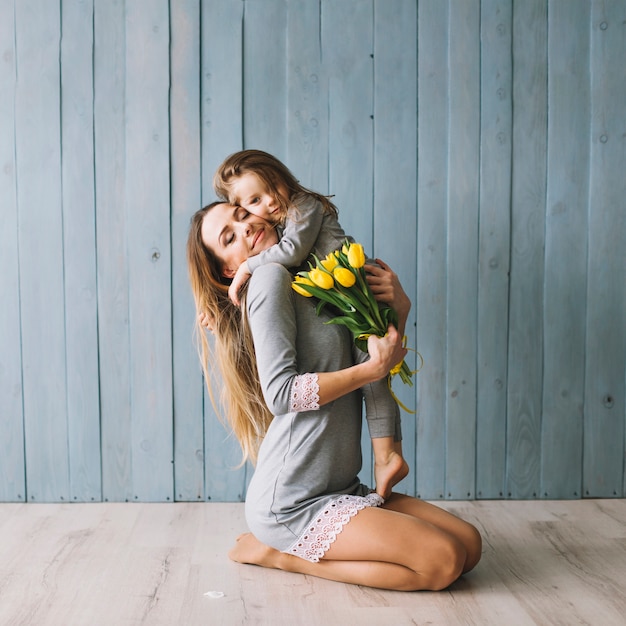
[293, 390]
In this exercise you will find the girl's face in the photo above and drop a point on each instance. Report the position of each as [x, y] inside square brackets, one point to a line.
[249, 192]
[233, 234]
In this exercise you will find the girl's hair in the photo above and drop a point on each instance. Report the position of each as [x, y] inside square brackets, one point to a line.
[232, 354]
[271, 172]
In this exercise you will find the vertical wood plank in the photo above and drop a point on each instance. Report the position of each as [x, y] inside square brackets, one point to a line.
[98, 396]
[496, 69]
[565, 251]
[149, 241]
[264, 76]
[186, 199]
[37, 120]
[221, 87]
[348, 49]
[307, 95]
[347, 41]
[79, 245]
[395, 175]
[222, 133]
[462, 302]
[528, 197]
[12, 468]
[112, 257]
[431, 307]
[605, 347]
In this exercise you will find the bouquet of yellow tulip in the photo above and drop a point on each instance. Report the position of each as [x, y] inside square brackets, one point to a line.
[339, 280]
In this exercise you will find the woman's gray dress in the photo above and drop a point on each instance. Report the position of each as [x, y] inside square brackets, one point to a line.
[305, 486]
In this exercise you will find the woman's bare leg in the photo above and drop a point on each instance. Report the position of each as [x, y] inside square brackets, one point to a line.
[467, 534]
[250, 550]
[381, 547]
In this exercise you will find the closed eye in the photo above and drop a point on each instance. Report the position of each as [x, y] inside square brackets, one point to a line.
[242, 214]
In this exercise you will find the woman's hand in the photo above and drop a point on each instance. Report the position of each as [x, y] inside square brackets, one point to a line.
[386, 287]
[386, 352]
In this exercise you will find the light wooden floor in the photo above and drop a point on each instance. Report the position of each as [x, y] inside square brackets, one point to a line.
[123, 564]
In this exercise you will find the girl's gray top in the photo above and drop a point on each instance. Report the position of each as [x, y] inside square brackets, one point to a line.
[308, 230]
[307, 458]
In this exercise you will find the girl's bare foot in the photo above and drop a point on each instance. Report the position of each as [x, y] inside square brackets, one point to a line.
[389, 472]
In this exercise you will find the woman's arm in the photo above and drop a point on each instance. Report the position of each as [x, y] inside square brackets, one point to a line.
[272, 315]
[385, 353]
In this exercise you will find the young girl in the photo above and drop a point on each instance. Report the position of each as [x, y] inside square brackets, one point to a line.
[262, 185]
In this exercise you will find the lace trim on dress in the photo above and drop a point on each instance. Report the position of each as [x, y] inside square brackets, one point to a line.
[322, 532]
[304, 393]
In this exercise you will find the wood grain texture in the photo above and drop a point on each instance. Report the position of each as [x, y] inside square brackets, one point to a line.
[12, 465]
[348, 48]
[432, 198]
[528, 198]
[221, 134]
[347, 40]
[148, 248]
[221, 86]
[605, 342]
[186, 189]
[476, 146]
[543, 563]
[40, 241]
[307, 97]
[565, 250]
[264, 76]
[79, 247]
[111, 246]
[395, 178]
[494, 242]
[462, 245]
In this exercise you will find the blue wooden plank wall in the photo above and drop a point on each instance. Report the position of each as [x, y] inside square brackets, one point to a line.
[478, 146]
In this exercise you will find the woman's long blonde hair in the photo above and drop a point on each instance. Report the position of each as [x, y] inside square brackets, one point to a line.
[271, 172]
[232, 356]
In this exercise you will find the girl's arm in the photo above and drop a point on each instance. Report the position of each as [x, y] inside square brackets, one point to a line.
[301, 230]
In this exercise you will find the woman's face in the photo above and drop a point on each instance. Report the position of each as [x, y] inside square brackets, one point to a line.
[233, 234]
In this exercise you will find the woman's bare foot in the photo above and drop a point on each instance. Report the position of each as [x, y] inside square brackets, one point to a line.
[248, 549]
[389, 472]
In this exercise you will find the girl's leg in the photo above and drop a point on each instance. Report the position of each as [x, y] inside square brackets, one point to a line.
[389, 465]
[379, 547]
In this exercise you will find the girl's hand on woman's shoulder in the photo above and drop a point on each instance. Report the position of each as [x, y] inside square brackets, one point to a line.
[205, 320]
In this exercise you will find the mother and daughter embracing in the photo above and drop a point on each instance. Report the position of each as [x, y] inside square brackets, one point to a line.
[293, 391]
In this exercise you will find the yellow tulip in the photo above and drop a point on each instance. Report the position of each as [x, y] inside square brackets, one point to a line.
[356, 255]
[303, 292]
[301, 280]
[330, 262]
[344, 277]
[321, 278]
